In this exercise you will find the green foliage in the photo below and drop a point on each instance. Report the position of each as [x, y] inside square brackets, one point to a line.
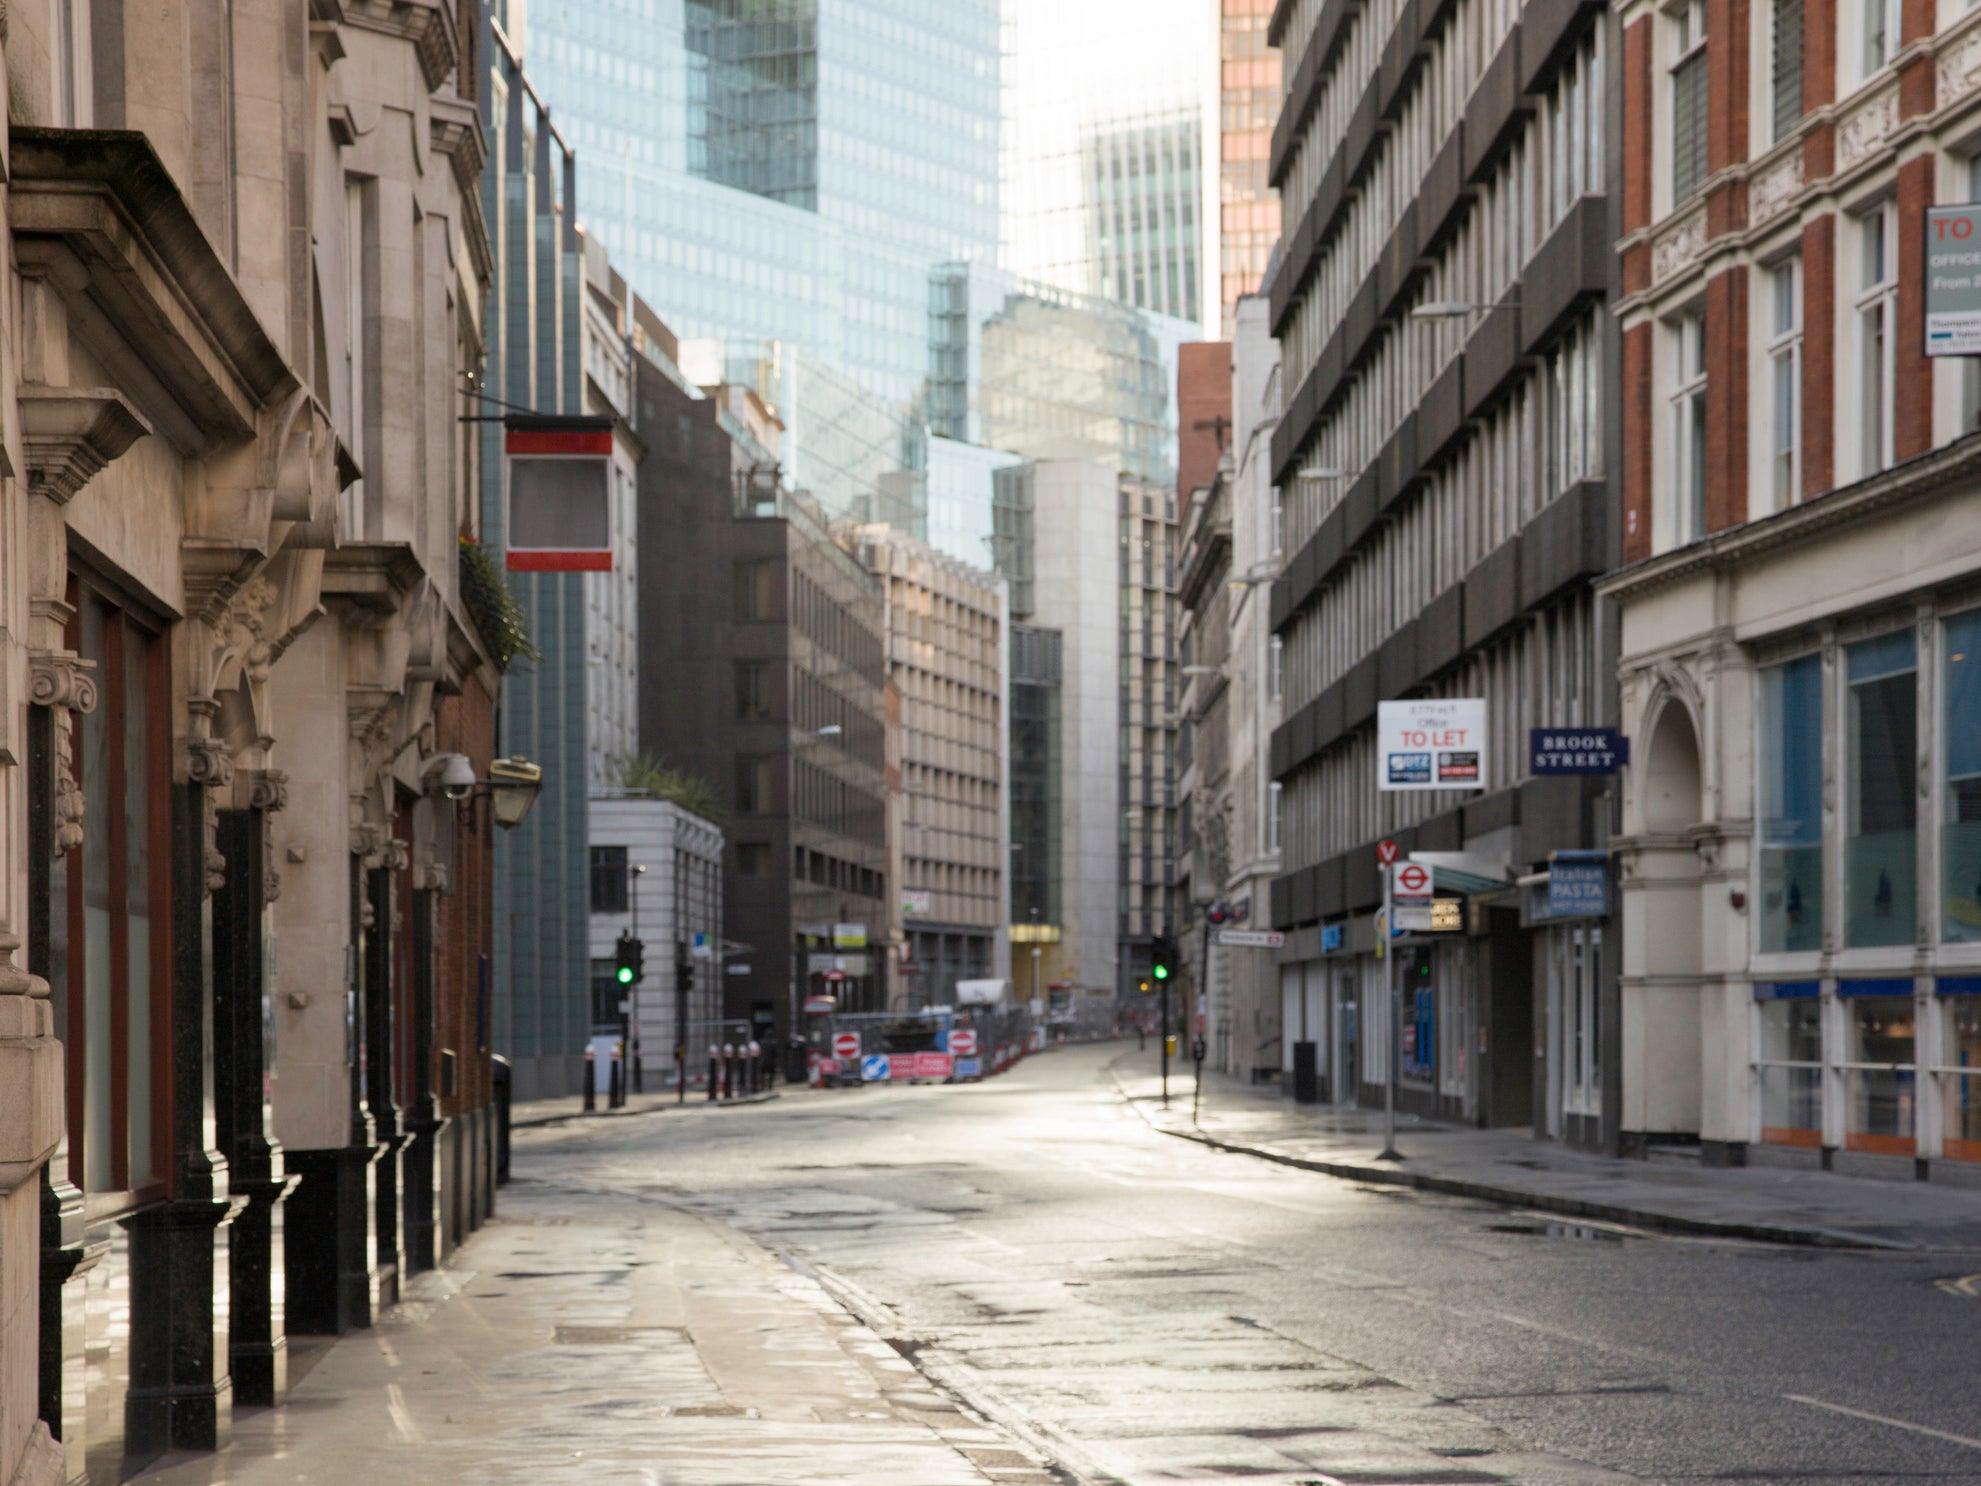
[649, 775]
[486, 595]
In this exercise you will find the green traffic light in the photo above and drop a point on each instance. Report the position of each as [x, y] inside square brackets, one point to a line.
[1162, 972]
[625, 975]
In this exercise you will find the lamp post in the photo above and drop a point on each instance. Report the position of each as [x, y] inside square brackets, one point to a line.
[629, 1054]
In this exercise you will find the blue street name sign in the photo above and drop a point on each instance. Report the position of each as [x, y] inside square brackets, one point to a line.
[1576, 750]
[1578, 884]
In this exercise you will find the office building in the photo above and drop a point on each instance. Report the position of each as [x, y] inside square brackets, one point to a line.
[945, 657]
[1250, 88]
[1446, 453]
[1800, 614]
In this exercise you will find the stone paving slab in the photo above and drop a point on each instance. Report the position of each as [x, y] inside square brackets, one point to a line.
[571, 1107]
[1766, 1203]
[598, 1339]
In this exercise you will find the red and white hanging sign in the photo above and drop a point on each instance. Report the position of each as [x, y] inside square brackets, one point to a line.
[559, 506]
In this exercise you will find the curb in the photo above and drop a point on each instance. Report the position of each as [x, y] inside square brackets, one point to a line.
[1568, 1207]
[539, 1121]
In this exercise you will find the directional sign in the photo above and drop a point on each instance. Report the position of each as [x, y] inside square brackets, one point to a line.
[1250, 938]
[846, 1044]
[875, 1068]
[1413, 883]
[934, 1065]
[963, 1042]
[1386, 852]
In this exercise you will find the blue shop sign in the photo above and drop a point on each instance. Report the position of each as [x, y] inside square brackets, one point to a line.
[1330, 938]
[1579, 885]
[1576, 750]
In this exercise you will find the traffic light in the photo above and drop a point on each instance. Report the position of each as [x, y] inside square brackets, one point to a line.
[630, 960]
[1162, 955]
[1144, 986]
[1217, 913]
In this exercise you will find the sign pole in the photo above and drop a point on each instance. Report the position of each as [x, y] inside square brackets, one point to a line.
[1394, 1014]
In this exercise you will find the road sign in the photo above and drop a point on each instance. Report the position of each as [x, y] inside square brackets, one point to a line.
[1431, 743]
[1250, 938]
[1576, 750]
[905, 1065]
[934, 1065]
[828, 1067]
[1385, 852]
[876, 1068]
[969, 1068]
[1413, 918]
[1413, 883]
[846, 1044]
[833, 977]
[963, 1042]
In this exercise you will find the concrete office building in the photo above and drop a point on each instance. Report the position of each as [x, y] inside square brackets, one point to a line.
[945, 656]
[770, 633]
[1446, 452]
[1799, 619]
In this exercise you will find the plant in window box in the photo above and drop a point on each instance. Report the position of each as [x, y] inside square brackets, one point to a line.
[492, 604]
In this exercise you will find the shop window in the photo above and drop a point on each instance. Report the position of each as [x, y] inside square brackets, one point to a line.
[1879, 1068]
[110, 939]
[1880, 836]
[1960, 829]
[1960, 1067]
[1790, 917]
[1789, 1067]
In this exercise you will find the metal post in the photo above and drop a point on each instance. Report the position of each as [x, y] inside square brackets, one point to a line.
[1165, 1042]
[683, 970]
[1387, 940]
[1197, 1032]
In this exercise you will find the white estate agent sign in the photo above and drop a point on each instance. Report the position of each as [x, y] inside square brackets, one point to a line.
[1431, 743]
[1953, 280]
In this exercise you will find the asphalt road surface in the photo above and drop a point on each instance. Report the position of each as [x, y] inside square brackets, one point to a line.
[1145, 1310]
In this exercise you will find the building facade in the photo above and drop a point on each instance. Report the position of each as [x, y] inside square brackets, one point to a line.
[1445, 452]
[769, 631]
[945, 656]
[1798, 617]
[1249, 91]
[244, 934]
[612, 636]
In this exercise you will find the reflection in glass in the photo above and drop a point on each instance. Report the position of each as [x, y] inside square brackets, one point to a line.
[1962, 1091]
[1880, 851]
[1881, 1099]
[1960, 831]
[1791, 1097]
[1791, 769]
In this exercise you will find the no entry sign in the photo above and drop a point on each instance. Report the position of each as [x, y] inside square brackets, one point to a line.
[846, 1044]
[963, 1042]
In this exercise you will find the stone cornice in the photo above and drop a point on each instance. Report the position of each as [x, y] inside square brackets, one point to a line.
[1929, 475]
[425, 23]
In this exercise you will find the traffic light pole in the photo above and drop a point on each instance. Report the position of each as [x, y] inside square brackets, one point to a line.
[1394, 1017]
[683, 969]
[1165, 1042]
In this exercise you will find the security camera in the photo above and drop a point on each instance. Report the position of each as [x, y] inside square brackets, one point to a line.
[452, 773]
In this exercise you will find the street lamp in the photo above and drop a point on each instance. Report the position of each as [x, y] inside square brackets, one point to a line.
[511, 788]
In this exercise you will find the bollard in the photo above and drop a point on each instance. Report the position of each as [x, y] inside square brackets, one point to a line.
[591, 1080]
[615, 1094]
[714, 1084]
[729, 1070]
[756, 1063]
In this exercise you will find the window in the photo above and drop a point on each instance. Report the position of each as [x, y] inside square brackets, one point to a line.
[1787, 67]
[753, 690]
[110, 937]
[752, 859]
[1785, 380]
[1880, 1082]
[1278, 522]
[1275, 799]
[755, 792]
[609, 873]
[1688, 100]
[1960, 830]
[1791, 826]
[1688, 423]
[1876, 305]
[1880, 34]
[1275, 668]
[1960, 1069]
[753, 590]
[1881, 744]
[360, 340]
[1790, 1064]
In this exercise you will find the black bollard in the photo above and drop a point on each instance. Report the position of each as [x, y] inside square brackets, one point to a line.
[591, 1081]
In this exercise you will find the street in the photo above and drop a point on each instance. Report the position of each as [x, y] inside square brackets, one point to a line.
[741, 1296]
[1151, 1311]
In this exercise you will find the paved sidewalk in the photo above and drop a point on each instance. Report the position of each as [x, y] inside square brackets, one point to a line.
[1753, 1202]
[571, 1107]
[599, 1338]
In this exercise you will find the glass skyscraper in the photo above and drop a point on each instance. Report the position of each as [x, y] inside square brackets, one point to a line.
[783, 170]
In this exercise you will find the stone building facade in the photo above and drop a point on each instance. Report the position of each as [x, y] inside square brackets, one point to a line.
[1797, 622]
[243, 938]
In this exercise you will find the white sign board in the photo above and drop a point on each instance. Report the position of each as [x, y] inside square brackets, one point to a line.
[1411, 884]
[1953, 280]
[1250, 938]
[1431, 743]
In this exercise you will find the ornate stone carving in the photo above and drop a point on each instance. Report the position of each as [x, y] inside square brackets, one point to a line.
[1774, 187]
[271, 883]
[1678, 246]
[15, 981]
[268, 789]
[208, 762]
[68, 434]
[367, 841]
[433, 877]
[1865, 128]
[1960, 68]
[66, 683]
[394, 857]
